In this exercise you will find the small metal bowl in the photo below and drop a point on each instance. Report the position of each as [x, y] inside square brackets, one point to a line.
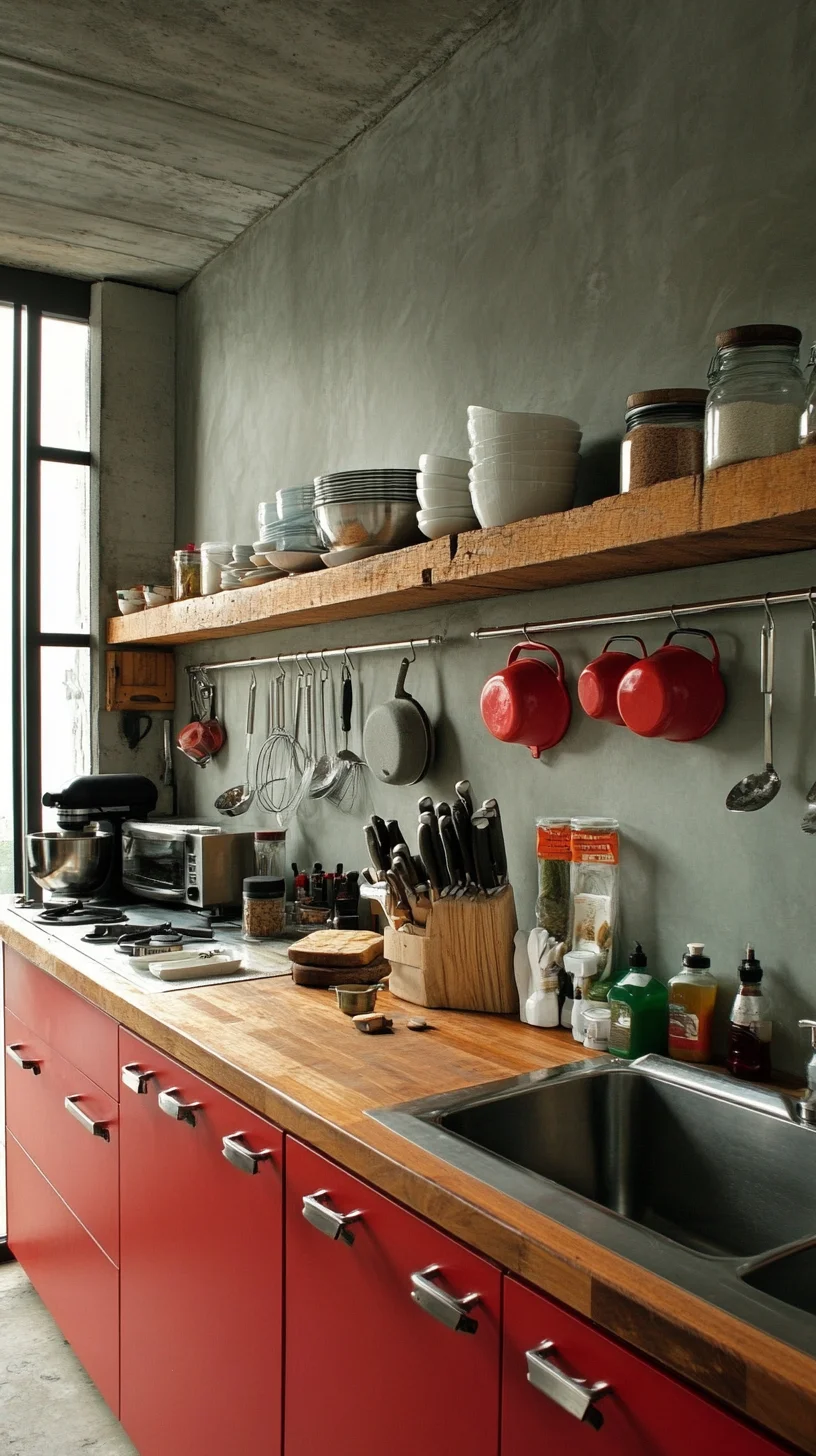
[357, 1000]
[386, 523]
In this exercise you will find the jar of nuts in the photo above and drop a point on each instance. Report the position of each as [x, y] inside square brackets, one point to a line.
[264, 907]
[664, 436]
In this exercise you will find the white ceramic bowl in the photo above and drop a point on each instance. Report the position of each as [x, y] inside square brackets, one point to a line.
[450, 523]
[512, 474]
[535, 440]
[498, 507]
[436, 478]
[559, 452]
[129, 605]
[434, 498]
[442, 465]
[511, 420]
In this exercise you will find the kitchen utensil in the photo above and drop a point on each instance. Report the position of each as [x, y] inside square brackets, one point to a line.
[275, 756]
[758, 789]
[453, 854]
[398, 893]
[374, 855]
[464, 834]
[325, 769]
[368, 521]
[398, 739]
[380, 829]
[811, 793]
[431, 823]
[356, 1001]
[309, 765]
[236, 801]
[403, 864]
[428, 854]
[426, 805]
[465, 793]
[349, 765]
[395, 834]
[204, 736]
[75, 864]
[498, 853]
[599, 682]
[527, 701]
[485, 872]
[675, 693]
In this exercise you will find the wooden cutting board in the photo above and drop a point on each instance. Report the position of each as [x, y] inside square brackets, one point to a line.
[337, 948]
[325, 976]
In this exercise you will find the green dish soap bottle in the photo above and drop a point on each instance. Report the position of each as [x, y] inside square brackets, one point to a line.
[640, 1011]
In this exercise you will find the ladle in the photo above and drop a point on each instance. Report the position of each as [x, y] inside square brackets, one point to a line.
[758, 789]
[810, 828]
[237, 800]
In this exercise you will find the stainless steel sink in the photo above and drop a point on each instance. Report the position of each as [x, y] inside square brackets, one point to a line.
[687, 1172]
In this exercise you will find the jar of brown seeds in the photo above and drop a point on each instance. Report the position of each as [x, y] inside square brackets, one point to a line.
[664, 436]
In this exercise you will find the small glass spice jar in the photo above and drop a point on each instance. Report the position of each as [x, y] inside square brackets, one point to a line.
[808, 427]
[757, 394]
[186, 574]
[664, 436]
[264, 907]
[270, 852]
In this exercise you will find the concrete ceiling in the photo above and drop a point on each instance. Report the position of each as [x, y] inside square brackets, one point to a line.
[139, 137]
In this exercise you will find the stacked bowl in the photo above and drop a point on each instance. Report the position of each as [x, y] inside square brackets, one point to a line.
[289, 539]
[243, 570]
[444, 497]
[522, 464]
[364, 512]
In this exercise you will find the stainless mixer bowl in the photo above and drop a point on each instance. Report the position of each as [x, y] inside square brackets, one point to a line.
[75, 864]
[386, 523]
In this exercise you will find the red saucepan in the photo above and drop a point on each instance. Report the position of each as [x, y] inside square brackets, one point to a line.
[527, 701]
[675, 693]
[599, 682]
[204, 736]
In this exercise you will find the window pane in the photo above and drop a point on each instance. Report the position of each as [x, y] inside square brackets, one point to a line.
[64, 418]
[66, 718]
[6, 415]
[64, 548]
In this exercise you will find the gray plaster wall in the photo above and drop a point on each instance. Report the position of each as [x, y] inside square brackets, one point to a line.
[566, 213]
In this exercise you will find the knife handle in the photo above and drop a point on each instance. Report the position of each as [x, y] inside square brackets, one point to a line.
[464, 794]
[426, 805]
[453, 858]
[481, 846]
[427, 851]
[379, 827]
[497, 850]
[395, 834]
[464, 834]
[374, 850]
[431, 823]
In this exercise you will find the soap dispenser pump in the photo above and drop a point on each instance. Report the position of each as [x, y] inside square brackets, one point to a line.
[639, 1004]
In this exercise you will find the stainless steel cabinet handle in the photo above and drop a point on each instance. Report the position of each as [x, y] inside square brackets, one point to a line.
[174, 1107]
[335, 1225]
[96, 1129]
[135, 1079]
[444, 1307]
[576, 1396]
[242, 1157]
[28, 1064]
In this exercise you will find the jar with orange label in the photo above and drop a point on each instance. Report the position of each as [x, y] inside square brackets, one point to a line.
[554, 855]
[692, 995]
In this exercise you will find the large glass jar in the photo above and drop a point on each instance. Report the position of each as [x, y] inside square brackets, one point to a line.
[809, 413]
[270, 852]
[664, 436]
[757, 394]
[186, 574]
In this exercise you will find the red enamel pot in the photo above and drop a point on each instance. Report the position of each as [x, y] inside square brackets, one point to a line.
[676, 693]
[599, 682]
[527, 701]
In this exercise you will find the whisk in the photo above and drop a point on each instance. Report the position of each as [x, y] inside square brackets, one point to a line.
[281, 761]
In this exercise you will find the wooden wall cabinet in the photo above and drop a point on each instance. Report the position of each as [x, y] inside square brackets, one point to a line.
[139, 681]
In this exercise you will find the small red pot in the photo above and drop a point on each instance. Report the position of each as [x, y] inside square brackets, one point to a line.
[599, 682]
[527, 701]
[675, 693]
[201, 741]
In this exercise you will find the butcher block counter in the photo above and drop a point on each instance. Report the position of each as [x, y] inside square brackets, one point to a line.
[287, 1053]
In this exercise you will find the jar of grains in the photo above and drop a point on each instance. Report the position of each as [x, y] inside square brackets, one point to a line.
[808, 428]
[664, 436]
[264, 908]
[186, 574]
[757, 394]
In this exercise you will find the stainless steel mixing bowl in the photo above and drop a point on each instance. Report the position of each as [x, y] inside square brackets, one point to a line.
[74, 864]
[385, 523]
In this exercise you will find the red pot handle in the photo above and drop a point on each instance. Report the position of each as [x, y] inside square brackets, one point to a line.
[538, 647]
[626, 637]
[696, 632]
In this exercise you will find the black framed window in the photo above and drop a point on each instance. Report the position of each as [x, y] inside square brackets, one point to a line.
[45, 506]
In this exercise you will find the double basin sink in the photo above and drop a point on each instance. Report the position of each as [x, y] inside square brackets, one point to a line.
[701, 1180]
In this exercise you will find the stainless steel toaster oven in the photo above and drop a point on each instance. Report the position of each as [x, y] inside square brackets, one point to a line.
[201, 866]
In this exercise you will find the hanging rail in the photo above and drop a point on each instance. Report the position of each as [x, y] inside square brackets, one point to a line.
[652, 614]
[276, 658]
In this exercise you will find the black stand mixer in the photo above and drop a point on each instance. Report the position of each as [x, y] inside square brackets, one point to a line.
[84, 856]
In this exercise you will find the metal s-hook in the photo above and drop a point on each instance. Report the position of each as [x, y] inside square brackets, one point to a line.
[325, 671]
[348, 665]
[675, 623]
[412, 658]
[526, 630]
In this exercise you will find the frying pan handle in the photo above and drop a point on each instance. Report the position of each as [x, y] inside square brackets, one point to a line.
[399, 690]
[538, 647]
[696, 632]
[345, 701]
[625, 637]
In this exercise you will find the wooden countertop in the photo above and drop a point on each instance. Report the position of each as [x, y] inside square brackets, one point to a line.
[286, 1052]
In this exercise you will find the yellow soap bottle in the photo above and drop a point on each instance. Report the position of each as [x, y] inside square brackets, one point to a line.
[692, 995]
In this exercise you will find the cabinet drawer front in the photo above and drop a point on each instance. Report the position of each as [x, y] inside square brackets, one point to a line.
[74, 1278]
[645, 1412]
[201, 1265]
[80, 1032]
[82, 1165]
[350, 1306]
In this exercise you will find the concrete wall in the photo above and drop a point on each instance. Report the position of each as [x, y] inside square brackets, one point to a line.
[133, 446]
[565, 213]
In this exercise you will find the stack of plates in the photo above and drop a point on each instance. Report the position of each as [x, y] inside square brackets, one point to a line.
[367, 510]
[289, 539]
[444, 497]
[523, 464]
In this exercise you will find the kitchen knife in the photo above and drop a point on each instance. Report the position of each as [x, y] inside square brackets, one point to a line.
[374, 851]
[464, 833]
[379, 827]
[426, 805]
[481, 846]
[453, 856]
[395, 834]
[443, 810]
[432, 823]
[497, 849]
[402, 861]
[427, 851]
[464, 794]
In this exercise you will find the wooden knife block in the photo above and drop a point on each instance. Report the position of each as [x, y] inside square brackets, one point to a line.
[463, 961]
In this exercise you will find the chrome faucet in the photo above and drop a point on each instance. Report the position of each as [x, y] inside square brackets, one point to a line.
[806, 1106]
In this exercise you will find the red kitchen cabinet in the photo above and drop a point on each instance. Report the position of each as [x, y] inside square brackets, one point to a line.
[75, 1279]
[642, 1413]
[374, 1361]
[201, 1265]
[80, 1032]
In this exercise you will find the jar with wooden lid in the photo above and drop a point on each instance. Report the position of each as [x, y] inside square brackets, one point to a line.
[808, 428]
[757, 394]
[186, 574]
[664, 436]
[264, 907]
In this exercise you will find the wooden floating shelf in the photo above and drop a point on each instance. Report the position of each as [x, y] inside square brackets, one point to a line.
[756, 508]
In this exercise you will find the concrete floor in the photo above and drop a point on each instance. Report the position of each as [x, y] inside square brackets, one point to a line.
[48, 1406]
